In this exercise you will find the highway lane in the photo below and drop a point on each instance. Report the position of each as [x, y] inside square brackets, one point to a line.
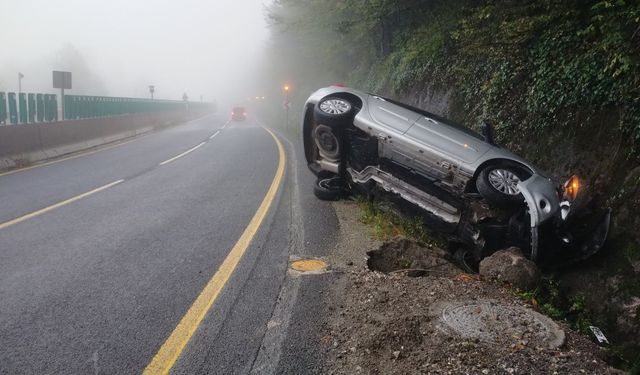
[98, 285]
[29, 190]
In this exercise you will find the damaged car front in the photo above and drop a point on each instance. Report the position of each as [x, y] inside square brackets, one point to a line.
[485, 196]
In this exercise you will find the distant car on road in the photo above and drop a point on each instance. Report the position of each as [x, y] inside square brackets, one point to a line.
[488, 195]
[239, 114]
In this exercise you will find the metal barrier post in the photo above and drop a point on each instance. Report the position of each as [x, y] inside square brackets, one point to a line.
[54, 99]
[47, 108]
[31, 101]
[40, 107]
[3, 108]
[22, 106]
[13, 108]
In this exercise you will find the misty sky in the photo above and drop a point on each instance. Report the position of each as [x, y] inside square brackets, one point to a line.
[208, 48]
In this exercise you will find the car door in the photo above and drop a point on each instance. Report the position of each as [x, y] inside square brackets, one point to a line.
[391, 122]
[446, 141]
[391, 117]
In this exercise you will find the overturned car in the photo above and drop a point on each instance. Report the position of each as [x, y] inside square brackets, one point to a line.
[484, 196]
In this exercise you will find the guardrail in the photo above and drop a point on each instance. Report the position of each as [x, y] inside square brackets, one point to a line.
[32, 108]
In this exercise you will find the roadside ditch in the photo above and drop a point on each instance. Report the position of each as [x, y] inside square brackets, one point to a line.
[403, 307]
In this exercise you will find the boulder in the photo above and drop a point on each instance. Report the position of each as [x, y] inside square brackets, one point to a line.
[510, 265]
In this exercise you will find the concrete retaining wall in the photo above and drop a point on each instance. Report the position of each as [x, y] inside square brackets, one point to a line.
[24, 144]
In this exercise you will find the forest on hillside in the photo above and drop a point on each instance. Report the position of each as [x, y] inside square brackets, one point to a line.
[560, 81]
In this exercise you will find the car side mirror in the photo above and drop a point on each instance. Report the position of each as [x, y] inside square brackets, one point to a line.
[486, 130]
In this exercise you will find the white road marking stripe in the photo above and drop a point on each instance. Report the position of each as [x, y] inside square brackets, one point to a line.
[57, 205]
[214, 134]
[183, 154]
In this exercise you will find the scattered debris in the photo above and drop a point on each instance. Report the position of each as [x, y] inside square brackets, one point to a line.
[602, 339]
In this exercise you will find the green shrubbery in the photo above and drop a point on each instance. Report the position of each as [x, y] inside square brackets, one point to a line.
[527, 65]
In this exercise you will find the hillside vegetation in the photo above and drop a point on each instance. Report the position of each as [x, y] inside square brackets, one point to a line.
[560, 81]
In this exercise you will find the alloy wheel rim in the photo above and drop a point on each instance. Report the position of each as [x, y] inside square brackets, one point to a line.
[335, 106]
[504, 181]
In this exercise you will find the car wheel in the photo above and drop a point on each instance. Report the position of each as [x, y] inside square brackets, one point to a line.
[329, 189]
[498, 183]
[466, 260]
[333, 111]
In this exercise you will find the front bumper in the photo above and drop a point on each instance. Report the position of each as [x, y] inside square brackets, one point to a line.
[570, 242]
[565, 239]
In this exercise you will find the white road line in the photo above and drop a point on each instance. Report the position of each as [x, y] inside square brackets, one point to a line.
[183, 154]
[57, 205]
[214, 134]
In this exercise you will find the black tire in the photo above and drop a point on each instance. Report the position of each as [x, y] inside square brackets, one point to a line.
[329, 189]
[491, 193]
[333, 111]
[466, 260]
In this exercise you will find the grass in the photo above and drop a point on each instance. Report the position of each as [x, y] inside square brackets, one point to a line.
[387, 222]
[548, 299]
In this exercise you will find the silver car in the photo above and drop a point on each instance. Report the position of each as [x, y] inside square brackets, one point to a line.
[455, 174]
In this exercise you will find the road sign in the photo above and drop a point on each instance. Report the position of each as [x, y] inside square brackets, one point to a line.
[286, 104]
[61, 80]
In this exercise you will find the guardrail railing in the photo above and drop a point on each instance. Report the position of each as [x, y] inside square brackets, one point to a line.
[25, 108]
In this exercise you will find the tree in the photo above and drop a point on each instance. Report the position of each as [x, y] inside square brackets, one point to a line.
[85, 81]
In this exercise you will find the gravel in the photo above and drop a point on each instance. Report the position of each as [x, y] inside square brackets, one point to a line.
[384, 323]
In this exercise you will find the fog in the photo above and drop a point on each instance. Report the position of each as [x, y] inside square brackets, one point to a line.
[209, 48]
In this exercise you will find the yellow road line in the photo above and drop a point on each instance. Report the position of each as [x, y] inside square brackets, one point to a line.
[192, 149]
[170, 351]
[68, 158]
[57, 205]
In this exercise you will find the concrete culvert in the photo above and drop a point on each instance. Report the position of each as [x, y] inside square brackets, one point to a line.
[402, 254]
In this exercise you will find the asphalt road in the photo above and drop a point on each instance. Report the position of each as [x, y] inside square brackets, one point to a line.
[102, 255]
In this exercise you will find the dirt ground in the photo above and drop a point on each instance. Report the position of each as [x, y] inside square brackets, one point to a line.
[384, 323]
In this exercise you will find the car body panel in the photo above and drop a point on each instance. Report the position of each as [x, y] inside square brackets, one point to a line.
[390, 115]
[447, 140]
